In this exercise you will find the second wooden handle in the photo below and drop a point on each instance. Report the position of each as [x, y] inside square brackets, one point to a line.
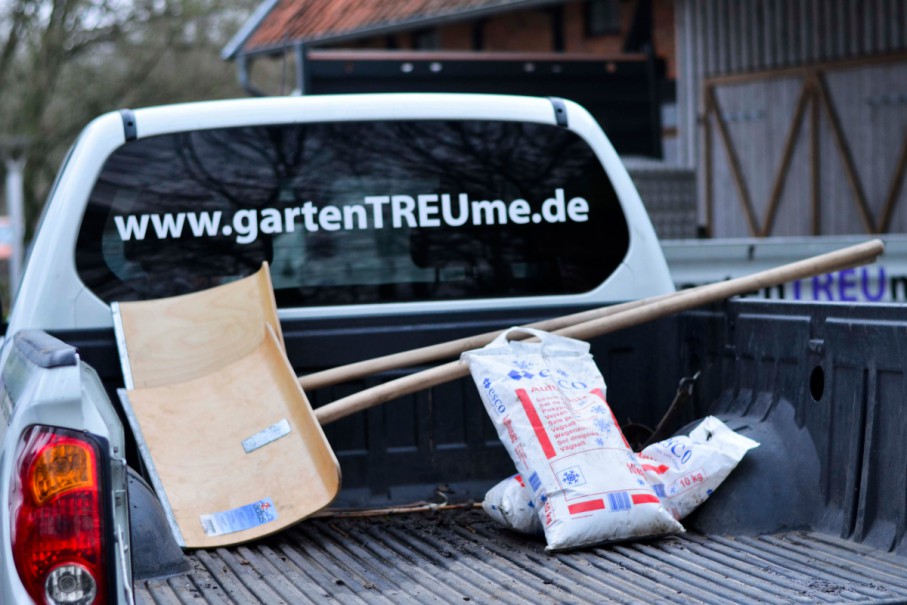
[649, 310]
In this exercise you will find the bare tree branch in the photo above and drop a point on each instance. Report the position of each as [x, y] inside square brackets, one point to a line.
[62, 62]
[17, 23]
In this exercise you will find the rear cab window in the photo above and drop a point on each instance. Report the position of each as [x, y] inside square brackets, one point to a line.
[355, 213]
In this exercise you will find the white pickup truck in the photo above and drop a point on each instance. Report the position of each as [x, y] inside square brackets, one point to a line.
[364, 206]
[392, 222]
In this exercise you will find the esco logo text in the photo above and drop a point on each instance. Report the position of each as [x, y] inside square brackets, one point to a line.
[496, 402]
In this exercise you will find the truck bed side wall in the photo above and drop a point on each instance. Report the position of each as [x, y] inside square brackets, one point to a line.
[833, 376]
[402, 451]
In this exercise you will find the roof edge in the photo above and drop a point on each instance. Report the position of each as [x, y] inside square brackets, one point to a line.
[398, 26]
[231, 49]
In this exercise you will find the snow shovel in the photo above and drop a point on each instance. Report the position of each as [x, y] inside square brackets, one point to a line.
[227, 435]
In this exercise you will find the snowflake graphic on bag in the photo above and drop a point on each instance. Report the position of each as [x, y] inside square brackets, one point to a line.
[573, 477]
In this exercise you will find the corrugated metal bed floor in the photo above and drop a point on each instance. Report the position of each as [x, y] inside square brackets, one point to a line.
[458, 556]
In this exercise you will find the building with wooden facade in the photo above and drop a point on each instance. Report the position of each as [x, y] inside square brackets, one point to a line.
[794, 114]
[791, 113]
[615, 57]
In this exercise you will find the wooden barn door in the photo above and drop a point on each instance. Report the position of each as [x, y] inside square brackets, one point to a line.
[812, 151]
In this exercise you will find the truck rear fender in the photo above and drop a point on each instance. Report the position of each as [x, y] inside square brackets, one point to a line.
[47, 388]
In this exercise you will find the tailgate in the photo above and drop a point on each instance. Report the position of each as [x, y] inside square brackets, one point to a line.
[460, 556]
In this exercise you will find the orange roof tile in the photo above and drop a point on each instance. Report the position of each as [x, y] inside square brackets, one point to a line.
[286, 22]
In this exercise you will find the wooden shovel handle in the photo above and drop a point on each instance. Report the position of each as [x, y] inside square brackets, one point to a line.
[453, 348]
[624, 316]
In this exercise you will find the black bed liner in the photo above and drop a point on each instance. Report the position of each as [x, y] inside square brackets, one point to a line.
[461, 556]
[816, 514]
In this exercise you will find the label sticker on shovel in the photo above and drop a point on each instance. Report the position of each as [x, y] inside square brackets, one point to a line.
[266, 436]
[238, 519]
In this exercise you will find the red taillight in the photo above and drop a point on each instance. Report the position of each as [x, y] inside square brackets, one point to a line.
[57, 517]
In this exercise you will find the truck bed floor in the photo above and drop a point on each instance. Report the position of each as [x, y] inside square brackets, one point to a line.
[460, 556]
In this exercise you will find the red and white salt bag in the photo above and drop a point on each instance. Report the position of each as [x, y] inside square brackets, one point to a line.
[510, 504]
[684, 470]
[547, 402]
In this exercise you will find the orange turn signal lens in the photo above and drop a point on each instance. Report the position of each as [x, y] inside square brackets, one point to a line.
[59, 516]
[62, 467]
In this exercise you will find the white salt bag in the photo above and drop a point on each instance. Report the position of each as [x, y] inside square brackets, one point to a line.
[685, 470]
[510, 504]
[547, 402]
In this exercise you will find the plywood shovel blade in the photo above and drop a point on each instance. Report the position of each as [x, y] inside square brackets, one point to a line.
[228, 437]
[237, 453]
[179, 338]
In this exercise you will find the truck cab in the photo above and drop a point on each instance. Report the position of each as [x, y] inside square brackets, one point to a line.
[362, 204]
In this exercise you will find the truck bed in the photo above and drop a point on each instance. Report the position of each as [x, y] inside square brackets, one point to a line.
[457, 556]
[816, 514]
